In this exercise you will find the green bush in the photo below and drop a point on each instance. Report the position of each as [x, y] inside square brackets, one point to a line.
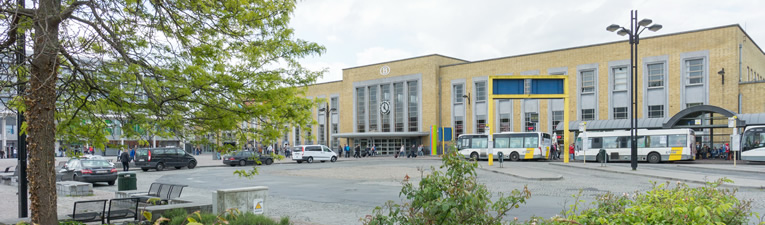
[448, 197]
[680, 204]
[231, 217]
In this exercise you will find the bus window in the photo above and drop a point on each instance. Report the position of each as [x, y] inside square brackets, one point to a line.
[677, 140]
[596, 143]
[621, 142]
[463, 142]
[502, 142]
[531, 141]
[610, 142]
[753, 139]
[578, 144]
[480, 142]
[641, 142]
[657, 141]
[516, 142]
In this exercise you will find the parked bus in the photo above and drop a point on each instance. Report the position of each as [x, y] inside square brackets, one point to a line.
[752, 146]
[513, 145]
[653, 146]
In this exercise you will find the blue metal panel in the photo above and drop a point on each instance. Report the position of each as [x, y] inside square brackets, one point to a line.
[447, 133]
[508, 87]
[546, 86]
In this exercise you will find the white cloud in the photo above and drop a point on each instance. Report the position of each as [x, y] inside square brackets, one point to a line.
[380, 54]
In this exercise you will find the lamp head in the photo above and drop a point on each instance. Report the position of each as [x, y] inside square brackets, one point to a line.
[623, 32]
[645, 22]
[655, 27]
[613, 27]
[721, 72]
[464, 96]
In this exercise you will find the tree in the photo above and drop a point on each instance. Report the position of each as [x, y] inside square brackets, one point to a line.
[156, 65]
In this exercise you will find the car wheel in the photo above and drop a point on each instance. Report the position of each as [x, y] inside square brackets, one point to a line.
[310, 159]
[111, 183]
[192, 164]
[334, 159]
[300, 161]
[144, 169]
[474, 156]
[160, 166]
[269, 161]
[654, 157]
[242, 162]
[514, 156]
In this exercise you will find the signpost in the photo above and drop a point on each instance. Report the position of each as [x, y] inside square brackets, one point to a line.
[735, 142]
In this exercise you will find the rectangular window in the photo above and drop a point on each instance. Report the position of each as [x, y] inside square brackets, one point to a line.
[481, 124]
[655, 111]
[620, 79]
[360, 110]
[695, 71]
[693, 104]
[596, 143]
[321, 134]
[297, 136]
[557, 117]
[480, 91]
[501, 142]
[656, 141]
[398, 89]
[386, 97]
[588, 81]
[504, 122]
[588, 114]
[677, 140]
[333, 123]
[656, 75]
[309, 136]
[516, 141]
[373, 109]
[479, 142]
[413, 99]
[531, 141]
[458, 126]
[458, 93]
[532, 119]
[620, 113]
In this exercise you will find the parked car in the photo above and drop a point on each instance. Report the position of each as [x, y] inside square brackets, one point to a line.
[89, 170]
[99, 157]
[161, 158]
[244, 158]
[309, 153]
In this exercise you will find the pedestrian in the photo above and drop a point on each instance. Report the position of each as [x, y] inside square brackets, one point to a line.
[132, 154]
[419, 150]
[727, 151]
[413, 151]
[269, 150]
[347, 151]
[287, 151]
[402, 151]
[14, 152]
[374, 150]
[571, 152]
[553, 153]
[90, 149]
[125, 159]
[357, 151]
[2, 154]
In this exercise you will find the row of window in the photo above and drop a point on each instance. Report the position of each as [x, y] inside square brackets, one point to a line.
[378, 101]
[654, 141]
[752, 76]
[694, 75]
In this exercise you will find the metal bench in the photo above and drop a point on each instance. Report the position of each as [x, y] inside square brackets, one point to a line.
[89, 211]
[122, 208]
[164, 192]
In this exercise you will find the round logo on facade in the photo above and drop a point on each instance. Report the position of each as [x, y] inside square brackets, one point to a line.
[385, 107]
[384, 70]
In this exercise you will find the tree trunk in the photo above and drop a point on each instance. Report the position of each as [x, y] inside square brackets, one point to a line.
[40, 101]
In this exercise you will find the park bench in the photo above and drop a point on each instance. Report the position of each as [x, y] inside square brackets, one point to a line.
[162, 191]
[122, 208]
[89, 211]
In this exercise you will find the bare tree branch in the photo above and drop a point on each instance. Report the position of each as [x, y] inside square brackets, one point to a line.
[55, 19]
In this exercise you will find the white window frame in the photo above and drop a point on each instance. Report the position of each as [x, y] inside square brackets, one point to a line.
[688, 72]
[652, 75]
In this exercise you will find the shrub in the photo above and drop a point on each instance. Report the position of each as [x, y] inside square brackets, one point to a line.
[447, 197]
[663, 204]
[231, 217]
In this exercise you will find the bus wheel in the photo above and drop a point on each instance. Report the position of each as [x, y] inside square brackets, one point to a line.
[474, 156]
[514, 156]
[654, 157]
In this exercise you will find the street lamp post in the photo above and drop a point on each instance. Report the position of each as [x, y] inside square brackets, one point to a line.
[327, 123]
[634, 36]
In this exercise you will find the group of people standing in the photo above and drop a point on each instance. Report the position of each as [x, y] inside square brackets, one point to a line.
[371, 150]
[706, 152]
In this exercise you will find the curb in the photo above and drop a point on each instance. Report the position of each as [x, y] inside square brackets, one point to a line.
[723, 168]
[660, 177]
[558, 177]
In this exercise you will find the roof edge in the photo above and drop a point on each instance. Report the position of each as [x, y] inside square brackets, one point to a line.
[399, 60]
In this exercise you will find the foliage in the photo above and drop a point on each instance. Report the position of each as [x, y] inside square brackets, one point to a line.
[663, 204]
[448, 197]
[66, 222]
[230, 216]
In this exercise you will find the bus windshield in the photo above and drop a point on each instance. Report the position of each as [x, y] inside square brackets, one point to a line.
[753, 138]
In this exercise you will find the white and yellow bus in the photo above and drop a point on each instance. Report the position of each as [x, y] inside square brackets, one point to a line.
[514, 146]
[753, 144]
[653, 146]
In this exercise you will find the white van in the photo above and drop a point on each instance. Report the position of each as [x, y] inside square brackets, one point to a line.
[309, 153]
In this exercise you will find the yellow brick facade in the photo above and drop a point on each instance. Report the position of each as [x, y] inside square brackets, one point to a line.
[727, 48]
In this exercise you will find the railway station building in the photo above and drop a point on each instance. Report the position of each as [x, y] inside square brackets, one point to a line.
[694, 79]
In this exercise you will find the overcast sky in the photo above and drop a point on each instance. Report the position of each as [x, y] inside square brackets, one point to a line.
[358, 33]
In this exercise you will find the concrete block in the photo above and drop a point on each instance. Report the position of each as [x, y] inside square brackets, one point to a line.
[244, 199]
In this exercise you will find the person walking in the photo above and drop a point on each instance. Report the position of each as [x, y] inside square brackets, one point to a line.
[419, 150]
[571, 152]
[374, 150]
[402, 151]
[132, 154]
[125, 159]
[553, 150]
[347, 151]
[357, 151]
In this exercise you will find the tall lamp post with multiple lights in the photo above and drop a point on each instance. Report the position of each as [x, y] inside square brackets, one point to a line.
[634, 34]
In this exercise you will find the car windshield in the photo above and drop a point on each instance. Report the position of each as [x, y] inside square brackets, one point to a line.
[95, 163]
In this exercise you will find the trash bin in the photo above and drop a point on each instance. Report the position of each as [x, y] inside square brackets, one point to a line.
[126, 181]
[602, 156]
